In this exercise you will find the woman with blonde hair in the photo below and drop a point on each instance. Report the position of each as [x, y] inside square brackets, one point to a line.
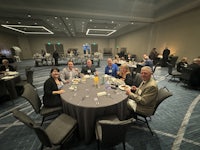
[125, 74]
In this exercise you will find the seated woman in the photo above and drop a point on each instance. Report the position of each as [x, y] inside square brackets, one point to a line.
[125, 74]
[52, 89]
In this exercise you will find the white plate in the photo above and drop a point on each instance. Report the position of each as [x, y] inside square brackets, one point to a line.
[86, 76]
[123, 87]
[7, 77]
[10, 73]
[76, 80]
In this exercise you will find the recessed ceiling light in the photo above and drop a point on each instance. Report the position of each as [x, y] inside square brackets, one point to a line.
[100, 32]
[112, 21]
[29, 29]
[56, 17]
[66, 18]
[29, 16]
[90, 20]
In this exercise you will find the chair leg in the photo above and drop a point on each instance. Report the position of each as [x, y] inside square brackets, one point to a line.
[98, 144]
[148, 126]
[124, 146]
[42, 121]
[41, 148]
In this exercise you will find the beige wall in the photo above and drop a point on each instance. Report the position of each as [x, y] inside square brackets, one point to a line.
[180, 34]
[7, 41]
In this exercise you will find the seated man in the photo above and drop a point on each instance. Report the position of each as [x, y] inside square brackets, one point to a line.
[143, 100]
[182, 64]
[146, 61]
[6, 67]
[111, 68]
[69, 72]
[89, 69]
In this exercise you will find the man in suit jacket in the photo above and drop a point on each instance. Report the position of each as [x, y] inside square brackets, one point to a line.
[143, 100]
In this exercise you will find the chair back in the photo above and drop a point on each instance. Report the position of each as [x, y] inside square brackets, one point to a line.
[31, 95]
[170, 68]
[23, 118]
[163, 93]
[136, 79]
[43, 137]
[114, 132]
[173, 60]
[29, 74]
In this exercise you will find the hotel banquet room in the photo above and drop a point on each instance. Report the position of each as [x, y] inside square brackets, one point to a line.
[32, 32]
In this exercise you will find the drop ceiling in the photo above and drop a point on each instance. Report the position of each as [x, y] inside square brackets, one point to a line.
[86, 18]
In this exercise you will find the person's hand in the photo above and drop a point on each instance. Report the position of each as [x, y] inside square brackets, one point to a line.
[76, 69]
[61, 91]
[67, 81]
[128, 91]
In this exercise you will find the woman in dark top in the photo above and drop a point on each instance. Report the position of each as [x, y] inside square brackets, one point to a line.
[52, 89]
[125, 74]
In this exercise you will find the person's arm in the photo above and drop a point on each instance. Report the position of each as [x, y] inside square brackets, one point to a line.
[148, 95]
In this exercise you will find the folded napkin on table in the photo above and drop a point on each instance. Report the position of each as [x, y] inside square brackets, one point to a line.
[101, 93]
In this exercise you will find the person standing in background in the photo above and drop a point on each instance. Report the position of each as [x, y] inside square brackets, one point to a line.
[165, 59]
[56, 56]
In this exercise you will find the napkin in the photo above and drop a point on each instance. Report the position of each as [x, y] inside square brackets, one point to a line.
[101, 93]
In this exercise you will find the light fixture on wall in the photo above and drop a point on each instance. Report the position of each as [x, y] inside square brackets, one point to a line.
[100, 32]
[26, 29]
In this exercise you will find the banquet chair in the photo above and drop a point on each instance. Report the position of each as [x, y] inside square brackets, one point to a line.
[154, 69]
[29, 79]
[174, 74]
[55, 134]
[163, 94]
[31, 95]
[110, 131]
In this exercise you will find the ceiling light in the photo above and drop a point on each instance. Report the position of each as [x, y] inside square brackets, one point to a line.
[29, 29]
[90, 20]
[100, 32]
[19, 22]
[66, 18]
[29, 16]
[56, 17]
[112, 21]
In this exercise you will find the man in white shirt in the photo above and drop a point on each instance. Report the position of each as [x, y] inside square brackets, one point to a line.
[69, 72]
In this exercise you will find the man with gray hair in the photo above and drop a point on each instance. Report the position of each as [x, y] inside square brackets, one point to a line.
[6, 66]
[143, 100]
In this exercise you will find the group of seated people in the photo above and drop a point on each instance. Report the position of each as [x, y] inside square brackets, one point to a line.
[191, 72]
[142, 93]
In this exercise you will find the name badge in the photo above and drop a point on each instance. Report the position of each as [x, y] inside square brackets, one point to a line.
[110, 71]
[139, 91]
[88, 71]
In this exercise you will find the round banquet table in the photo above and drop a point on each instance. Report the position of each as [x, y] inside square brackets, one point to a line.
[85, 106]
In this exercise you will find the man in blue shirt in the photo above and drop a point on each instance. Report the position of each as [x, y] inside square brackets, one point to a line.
[111, 69]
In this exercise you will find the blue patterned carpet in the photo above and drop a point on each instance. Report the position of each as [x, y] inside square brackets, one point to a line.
[175, 124]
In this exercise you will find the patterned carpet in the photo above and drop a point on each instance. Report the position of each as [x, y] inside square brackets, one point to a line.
[175, 123]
